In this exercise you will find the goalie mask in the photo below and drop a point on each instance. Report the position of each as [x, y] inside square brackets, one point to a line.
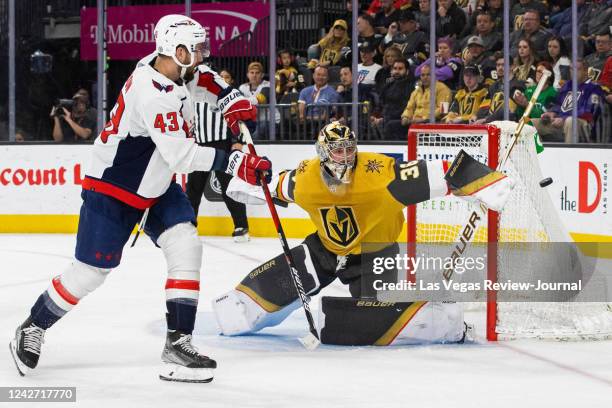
[337, 149]
[175, 30]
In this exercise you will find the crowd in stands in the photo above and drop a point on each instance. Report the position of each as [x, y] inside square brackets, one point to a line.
[394, 70]
[394, 66]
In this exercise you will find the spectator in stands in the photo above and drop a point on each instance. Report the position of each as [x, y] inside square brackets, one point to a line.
[596, 61]
[375, 6]
[524, 69]
[255, 90]
[492, 40]
[227, 76]
[533, 31]
[467, 100]
[422, 16]
[605, 80]
[92, 113]
[556, 124]
[563, 21]
[417, 109]
[385, 16]
[20, 136]
[408, 39]
[597, 19]
[288, 77]
[450, 19]
[475, 54]
[517, 14]
[391, 55]
[494, 8]
[345, 92]
[367, 69]
[491, 108]
[320, 93]
[393, 99]
[558, 57]
[331, 45]
[74, 125]
[545, 100]
[365, 29]
[448, 67]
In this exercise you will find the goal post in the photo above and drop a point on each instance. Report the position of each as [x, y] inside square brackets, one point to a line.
[529, 219]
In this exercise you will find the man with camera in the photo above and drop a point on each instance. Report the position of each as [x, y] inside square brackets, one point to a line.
[71, 121]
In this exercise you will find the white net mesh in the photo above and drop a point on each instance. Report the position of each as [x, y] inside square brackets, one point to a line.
[529, 217]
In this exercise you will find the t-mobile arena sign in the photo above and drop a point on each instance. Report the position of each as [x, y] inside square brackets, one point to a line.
[129, 32]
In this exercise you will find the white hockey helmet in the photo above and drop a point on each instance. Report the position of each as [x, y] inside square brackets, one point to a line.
[174, 30]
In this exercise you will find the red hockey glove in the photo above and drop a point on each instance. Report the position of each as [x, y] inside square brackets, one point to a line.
[240, 110]
[249, 167]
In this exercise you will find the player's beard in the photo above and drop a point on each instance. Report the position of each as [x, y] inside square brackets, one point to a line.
[189, 74]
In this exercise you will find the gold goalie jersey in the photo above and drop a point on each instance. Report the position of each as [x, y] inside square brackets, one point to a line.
[371, 208]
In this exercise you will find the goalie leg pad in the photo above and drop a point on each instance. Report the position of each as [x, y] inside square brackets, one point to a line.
[237, 314]
[469, 178]
[368, 322]
[183, 252]
[271, 284]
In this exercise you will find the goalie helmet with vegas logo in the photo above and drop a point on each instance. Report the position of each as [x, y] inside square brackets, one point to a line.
[176, 30]
[337, 149]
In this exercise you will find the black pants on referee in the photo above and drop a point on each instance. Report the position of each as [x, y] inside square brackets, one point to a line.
[195, 188]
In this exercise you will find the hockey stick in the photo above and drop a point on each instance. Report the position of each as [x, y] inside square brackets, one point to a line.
[141, 225]
[469, 228]
[311, 340]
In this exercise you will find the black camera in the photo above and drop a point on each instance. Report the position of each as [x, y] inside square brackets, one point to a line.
[63, 103]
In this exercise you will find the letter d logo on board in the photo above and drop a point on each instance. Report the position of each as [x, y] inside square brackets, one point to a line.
[584, 168]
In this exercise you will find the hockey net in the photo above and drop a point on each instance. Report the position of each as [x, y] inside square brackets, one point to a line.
[529, 217]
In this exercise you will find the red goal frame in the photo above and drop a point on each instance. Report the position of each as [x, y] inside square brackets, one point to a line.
[493, 135]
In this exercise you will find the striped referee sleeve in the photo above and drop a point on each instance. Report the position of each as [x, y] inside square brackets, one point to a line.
[210, 124]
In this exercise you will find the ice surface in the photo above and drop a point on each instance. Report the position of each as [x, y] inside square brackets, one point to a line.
[109, 347]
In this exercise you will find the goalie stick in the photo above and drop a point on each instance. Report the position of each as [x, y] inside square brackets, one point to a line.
[475, 217]
[311, 340]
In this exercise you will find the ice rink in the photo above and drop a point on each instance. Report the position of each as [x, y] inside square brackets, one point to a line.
[109, 347]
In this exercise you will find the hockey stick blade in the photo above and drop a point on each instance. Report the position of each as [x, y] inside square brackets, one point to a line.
[310, 342]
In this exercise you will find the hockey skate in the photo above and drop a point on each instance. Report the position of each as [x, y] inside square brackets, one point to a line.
[183, 363]
[241, 235]
[25, 347]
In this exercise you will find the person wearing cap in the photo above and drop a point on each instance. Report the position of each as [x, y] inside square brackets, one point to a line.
[475, 54]
[408, 39]
[448, 67]
[331, 45]
[385, 16]
[367, 69]
[367, 33]
[74, 125]
[467, 100]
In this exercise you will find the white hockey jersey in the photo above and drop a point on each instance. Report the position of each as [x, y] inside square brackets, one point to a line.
[148, 137]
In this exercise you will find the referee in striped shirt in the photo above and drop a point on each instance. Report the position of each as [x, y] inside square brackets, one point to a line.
[211, 130]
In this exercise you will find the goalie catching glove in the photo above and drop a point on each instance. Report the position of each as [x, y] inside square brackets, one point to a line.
[249, 167]
[472, 180]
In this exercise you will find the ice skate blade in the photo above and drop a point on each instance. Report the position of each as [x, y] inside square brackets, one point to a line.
[242, 238]
[310, 342]
[22, 369]
[179, 373]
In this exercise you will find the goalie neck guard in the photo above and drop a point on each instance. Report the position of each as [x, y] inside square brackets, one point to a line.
[337, 149]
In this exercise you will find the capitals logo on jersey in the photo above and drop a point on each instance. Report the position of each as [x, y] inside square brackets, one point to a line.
[340, 224]
[162, 88]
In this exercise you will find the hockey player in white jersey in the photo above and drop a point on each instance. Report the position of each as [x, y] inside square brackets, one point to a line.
[131, 171]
